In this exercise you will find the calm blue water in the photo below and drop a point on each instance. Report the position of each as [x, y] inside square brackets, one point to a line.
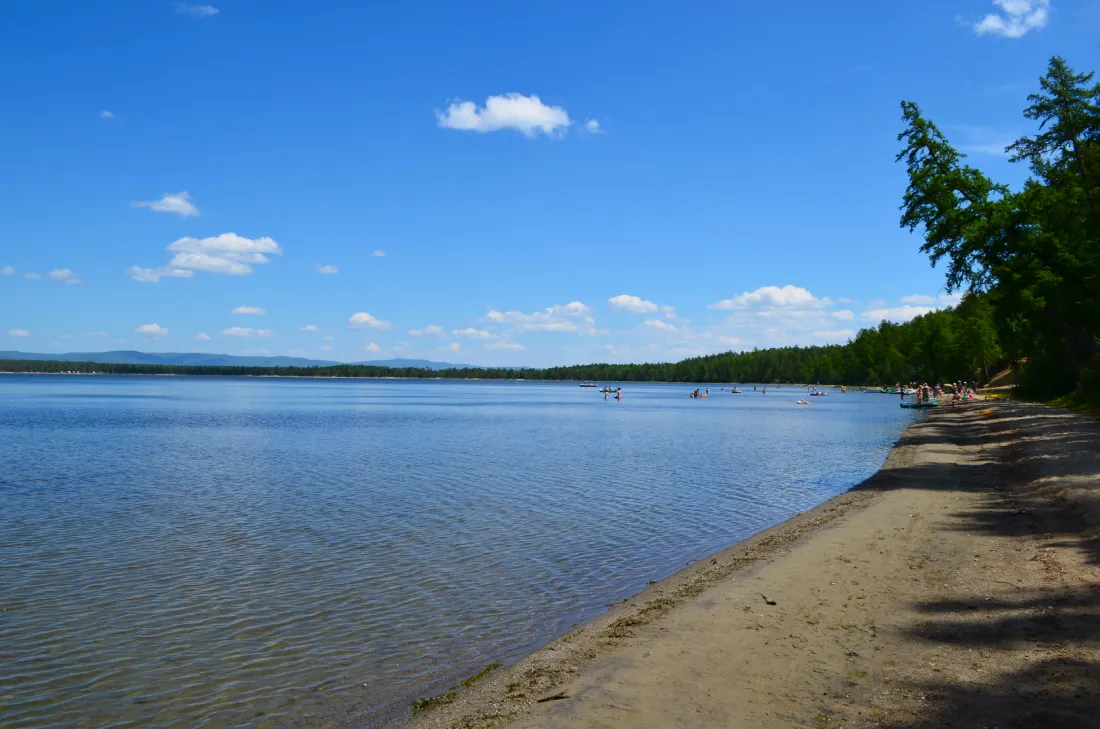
[184, 552]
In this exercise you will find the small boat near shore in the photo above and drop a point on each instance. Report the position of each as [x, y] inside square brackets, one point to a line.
[588, 384]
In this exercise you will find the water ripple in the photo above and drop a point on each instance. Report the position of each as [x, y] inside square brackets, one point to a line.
[179, 552]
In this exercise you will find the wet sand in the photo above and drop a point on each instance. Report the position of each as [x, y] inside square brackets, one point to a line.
[958, 587]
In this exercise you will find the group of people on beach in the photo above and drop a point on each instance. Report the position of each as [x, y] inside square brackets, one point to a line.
[961, 391]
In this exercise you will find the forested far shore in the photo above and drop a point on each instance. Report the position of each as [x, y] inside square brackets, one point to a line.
[940, 346]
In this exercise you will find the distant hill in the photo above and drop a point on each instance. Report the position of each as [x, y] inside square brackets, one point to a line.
[200, 359]
[170, 358]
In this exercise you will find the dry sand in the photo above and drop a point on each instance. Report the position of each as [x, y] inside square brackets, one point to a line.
[959, 587]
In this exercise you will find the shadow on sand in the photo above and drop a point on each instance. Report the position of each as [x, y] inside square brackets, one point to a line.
[1041, 468]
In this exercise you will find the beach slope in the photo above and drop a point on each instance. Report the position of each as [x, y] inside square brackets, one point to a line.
[960, 586]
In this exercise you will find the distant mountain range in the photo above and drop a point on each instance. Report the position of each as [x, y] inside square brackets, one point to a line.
[199, 359]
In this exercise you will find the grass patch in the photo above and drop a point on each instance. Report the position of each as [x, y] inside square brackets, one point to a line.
[480, 675]
[433, 702]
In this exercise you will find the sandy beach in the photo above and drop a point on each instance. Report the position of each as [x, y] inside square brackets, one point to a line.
[958, 587]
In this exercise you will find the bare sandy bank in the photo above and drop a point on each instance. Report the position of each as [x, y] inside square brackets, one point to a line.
[960, 586]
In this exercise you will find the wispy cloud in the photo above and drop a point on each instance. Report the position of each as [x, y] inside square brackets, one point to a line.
[106, 114]
[32, 275]
[363, 320]
[429, 331]
[250, 310]
[171, 202]
[571, 317]
[203, 337]
[64, 275]
[525, 114]
[593, 127]
[227, 253]
[1016, 19]
[378, 253]
[372, 347]
[7, 271]
[452, 347]
[473, 333]
[505, 345]
[659, 324]
[327, 269]
[308, 328]
[20, 333]
[197, 11]
[247, 332]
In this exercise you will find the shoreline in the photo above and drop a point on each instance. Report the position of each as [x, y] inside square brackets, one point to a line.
[546, 666]
[940, 524]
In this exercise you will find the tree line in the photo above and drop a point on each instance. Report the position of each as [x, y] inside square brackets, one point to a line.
[948, 345]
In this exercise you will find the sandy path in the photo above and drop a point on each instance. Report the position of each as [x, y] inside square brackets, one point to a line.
[959, 587]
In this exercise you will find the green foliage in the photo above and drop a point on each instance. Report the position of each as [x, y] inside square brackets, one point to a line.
[1035, 252]
[940, 346]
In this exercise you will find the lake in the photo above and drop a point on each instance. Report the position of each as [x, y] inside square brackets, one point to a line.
[250, 552]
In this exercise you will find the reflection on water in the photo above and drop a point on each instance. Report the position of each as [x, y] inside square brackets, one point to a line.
[182, 552]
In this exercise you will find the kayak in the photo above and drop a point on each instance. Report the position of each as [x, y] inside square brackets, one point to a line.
[929, 404]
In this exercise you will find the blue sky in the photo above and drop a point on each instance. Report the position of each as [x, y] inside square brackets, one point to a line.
[493, 183]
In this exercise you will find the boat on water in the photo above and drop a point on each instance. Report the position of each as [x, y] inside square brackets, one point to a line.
[735, 391]
[589, 384]
[802, 402]
[926, 404]
[818, 393]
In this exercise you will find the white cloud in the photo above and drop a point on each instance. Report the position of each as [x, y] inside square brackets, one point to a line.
[328, 268]
[372, 347]
[452, 347]
[106, 114]
[633, 304]
[362, 319]
[473, 333]
[152, 330]
[227, 253]
[329, 338]
[1017, 19]
[32, 275]
[308, 328]
[7, 271]
[912, 306]
[773, 296]
[592, 127]
[729, 341]
[102, 335]
[178, 203]
[250, 310]
[64, 274]
[203, 337]
[327, 348]
[378, 253]
[659, 324]
[197, 11]
[247, 332]
[843, 315]
[836, 335]
[21, 333]
[572, 317]
[510, 346]
[429, 331]
[526, 114]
